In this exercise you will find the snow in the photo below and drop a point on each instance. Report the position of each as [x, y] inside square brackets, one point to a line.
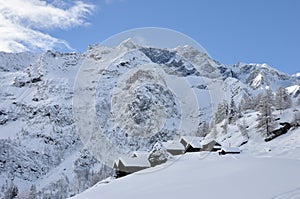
[143, 154]
[59, 172]
[193, 141]
[257, 81]
[11, 129]
[296, 75]
[195, 144]
[189, 139]
[135, 161]
[192, 176]
[261, 170]
[41, 134]
[188, 102]
[207, 141]
[231, 149]
[173, 145]
[293, 90]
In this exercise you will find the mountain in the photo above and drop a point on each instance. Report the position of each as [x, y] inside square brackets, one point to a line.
[53, 106]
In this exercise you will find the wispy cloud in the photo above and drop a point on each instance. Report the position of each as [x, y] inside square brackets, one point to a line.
[23, 23]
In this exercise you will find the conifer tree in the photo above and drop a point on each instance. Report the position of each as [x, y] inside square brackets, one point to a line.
[233, 114]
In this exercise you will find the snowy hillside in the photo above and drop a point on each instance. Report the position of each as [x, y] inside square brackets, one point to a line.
[53, 106]
[213, 177]
[262, 170]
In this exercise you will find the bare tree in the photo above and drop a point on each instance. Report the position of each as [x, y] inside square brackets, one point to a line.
[257, 100]
[222, 112]
[282, 99]
[243, 128]
[265, 118]
[225, 127]
[247, 103]
[213, 128]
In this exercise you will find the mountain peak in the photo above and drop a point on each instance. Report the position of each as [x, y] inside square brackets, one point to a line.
[128, 43]
[138, 85]
[296, 75]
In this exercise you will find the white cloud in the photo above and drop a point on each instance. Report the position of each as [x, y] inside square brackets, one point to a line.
[23, 22]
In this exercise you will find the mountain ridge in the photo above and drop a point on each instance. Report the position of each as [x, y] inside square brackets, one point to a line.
[36, 110]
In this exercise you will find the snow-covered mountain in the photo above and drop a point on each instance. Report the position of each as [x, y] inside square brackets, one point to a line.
[42, 153]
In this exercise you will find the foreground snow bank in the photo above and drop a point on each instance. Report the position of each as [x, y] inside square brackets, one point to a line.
[200, 175]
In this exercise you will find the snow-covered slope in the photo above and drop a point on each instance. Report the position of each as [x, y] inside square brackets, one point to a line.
[40, 147]
[207, 176]
[261, 170]
[294, 90]
[212, 177]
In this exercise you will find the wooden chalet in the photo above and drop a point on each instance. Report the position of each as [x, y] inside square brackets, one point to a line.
[210, 145]
[174, 147]
[191, 143]
[127, 165]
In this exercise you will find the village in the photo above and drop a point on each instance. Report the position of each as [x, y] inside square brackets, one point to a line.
[140, 160]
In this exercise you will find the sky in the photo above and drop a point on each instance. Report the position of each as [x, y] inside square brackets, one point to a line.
[231, 31]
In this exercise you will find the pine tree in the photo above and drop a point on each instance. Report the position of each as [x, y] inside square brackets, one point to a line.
[232, 115]
[222, 112]
[282, 100]
[265, 118]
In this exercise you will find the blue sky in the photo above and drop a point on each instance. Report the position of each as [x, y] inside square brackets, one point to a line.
[260, 31]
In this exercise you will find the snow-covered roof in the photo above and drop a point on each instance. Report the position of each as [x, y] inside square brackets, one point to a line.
[141, 154]
[173, 145]
[135, 162]
[191, 139]
[207, 141]
[195, 144]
